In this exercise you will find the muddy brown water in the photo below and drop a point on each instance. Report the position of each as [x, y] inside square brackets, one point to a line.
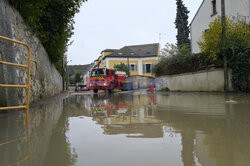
[130, 129]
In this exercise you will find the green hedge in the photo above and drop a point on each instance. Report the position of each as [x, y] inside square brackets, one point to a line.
[184, 63]
[240, 65]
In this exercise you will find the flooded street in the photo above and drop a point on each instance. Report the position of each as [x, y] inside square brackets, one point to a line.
[133, 128]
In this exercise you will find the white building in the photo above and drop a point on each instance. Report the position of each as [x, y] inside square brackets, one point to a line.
[85, 75]
[209, 10]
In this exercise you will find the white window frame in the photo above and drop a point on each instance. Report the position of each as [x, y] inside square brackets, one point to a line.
[214, 7]
[145, 68]
[135, 67]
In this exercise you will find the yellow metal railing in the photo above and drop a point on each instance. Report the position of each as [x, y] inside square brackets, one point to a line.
[27, 86]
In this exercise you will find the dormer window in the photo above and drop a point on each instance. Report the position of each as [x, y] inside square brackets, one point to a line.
[214, 10]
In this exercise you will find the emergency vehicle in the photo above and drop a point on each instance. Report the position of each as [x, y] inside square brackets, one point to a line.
[105, 79]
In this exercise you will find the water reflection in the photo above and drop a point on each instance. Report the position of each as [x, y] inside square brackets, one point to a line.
[133, 129]
[39, 137]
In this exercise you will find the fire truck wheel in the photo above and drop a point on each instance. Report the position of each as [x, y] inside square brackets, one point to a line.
[95, 90]
[121, 85]
[111, 86]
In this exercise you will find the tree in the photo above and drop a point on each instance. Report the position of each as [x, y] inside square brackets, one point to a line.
[78, 78]
[169, 50]
[122, 67]
[181, 24]
[237, 34]
[52, 22]
[236, 48]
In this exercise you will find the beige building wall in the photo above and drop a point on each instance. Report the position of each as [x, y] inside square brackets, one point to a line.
[110, 62]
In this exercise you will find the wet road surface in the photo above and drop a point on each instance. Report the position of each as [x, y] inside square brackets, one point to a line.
[136, 129]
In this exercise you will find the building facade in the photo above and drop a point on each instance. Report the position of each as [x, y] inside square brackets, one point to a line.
[141, 59]
[211, 9]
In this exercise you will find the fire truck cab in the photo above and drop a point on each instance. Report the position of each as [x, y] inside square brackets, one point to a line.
[105, 79]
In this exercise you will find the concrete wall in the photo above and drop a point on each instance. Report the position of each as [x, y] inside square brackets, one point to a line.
[239, 9]
[140, 82]
[212, 80]
[45, 79]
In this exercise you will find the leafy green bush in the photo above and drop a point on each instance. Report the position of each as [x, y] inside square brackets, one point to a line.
[122, 67]
[236, 49]
[237, 35]
[239, 63]
[52, 22]
[182, 64]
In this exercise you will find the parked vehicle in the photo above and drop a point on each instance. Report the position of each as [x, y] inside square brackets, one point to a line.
[105, 79]
[81, 87]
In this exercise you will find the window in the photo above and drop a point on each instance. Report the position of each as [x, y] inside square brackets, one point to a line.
[214, 12]
[98, 72]
[132, 67]
[148, 68]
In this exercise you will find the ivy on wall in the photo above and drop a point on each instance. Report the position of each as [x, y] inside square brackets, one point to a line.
[239, 63]
[52, 22]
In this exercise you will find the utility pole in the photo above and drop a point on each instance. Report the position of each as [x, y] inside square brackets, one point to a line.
[223, 23]
[63, 74]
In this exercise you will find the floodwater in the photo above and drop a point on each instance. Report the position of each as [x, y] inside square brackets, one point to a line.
[135, 128]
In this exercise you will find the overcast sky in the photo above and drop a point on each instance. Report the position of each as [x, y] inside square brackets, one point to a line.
[103, 24]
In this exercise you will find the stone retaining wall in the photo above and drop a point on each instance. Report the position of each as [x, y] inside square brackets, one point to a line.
[45, 79]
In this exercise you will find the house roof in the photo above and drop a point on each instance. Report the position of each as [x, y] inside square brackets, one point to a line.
[197, 12]
[109, 50]
[146, 50]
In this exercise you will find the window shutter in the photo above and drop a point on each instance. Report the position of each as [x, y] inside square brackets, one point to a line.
[151, 68]
[144, 68]
[135, 67]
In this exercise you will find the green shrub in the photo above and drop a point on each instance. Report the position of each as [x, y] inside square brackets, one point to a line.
[239, 63]
[237, 35]
[122, 67]
[166, 89]
[236, 49]
[183, 64]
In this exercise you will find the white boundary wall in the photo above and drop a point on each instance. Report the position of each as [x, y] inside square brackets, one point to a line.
[209, 81]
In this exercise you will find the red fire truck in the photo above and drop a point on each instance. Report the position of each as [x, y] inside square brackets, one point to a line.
[105, 79]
